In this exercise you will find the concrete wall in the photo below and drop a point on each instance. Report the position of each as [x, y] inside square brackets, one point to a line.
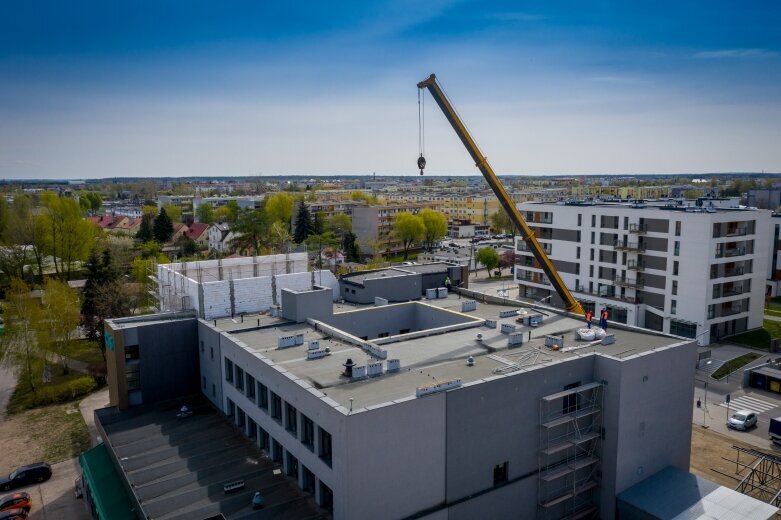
[168, 354]
[210, 362]
[647, 417]
[299, 306]
[394, 289]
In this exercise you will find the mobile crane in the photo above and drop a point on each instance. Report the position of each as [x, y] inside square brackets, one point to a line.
[481, 162]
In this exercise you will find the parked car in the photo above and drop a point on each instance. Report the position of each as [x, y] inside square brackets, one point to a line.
[13, 514]
[20, 500]
[742, 420]
[26, 475]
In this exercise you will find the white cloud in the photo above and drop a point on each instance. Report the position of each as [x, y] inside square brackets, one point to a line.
[735, 53]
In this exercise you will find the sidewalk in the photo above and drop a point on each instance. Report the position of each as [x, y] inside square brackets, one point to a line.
[88, 405]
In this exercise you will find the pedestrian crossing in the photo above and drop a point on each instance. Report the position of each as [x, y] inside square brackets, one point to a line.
[746, 402]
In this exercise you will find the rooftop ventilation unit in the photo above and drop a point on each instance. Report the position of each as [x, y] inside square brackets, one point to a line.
[533, 320]
[374, 369]
[515, 339]
[274, 311]
[316, 354]
[470, 361]
[468, 305]
[554, 342]
[349, 367]
[508, 328]
[393, 365]
[299, 339]
[379, 302]
[491, 324]
[442, 292]
[508, 314]
[314, 345]
[286, 341]
[359, 372]
[431, 294]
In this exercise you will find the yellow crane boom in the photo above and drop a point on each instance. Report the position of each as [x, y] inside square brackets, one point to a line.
[481, 162]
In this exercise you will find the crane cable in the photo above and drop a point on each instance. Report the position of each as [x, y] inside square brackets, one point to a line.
[421, 131]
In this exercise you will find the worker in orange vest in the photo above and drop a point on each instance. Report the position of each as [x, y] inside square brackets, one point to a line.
[603, 319]
[589, 316]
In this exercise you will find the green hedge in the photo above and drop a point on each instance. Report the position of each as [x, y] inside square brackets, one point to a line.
[52, 394]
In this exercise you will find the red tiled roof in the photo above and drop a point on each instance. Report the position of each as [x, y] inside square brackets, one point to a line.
[196, 230]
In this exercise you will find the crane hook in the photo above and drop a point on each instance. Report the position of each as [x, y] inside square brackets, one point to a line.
[421, 163]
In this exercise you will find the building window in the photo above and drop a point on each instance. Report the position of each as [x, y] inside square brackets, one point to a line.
[626, 222]
[675, 287]
[251, 387]
[673, 306]
[325, 445]
[201, 347]
[677, 248]
[711, 311]
[593, 221]
[675, 268]
[307, 432]
[591, 256]
[593, 237]
[500, 473]
[211, 351]
[580, 219]
[292, 466]
[231, 407]
[262, 396]
[326, 498]
[679, 328]
[276, 451]
[577, 252]
[276, 407]
[228, 370]
[239, 378]
[591, 271]
[241, 417]
[677, 228]
[308, 480]
[291, 419]
[263, 439]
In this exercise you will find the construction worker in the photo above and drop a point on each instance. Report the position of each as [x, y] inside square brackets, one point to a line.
[603, 319]
[448, 284]
[589, 317]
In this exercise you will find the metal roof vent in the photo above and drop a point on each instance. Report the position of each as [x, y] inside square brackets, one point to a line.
[348, 367]
[470, 361]
[479, 337]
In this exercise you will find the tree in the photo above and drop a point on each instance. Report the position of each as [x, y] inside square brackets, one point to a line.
[174, 212]
[145, 230]
[60, 318]
[339, 224]
[23, 238]
[319, 243]
[318, 224]
[205, 213]
[90, 202]
[250, 230]
[507, 260]
[279, 236]
[409, 229]
[303, 223]
[99, 274]
[163, 228]
[186, 246]
[488, 257]
[501, 223]
[279, 207]
[362, 196]
[435, 224]
[350, 247]
[19, 346]
[68, 236]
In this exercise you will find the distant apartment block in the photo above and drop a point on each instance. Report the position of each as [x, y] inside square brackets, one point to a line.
[764, 198]
[373, 225]
[466, 229]
[689, 271]
[327, 208]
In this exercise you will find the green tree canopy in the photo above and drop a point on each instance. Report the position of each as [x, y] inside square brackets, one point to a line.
[145, 230]
[22, 316]
[205, 213]
[488, 257]
[409, 229]
[68, 236]
[163, 228]
[435, 224]
[251, 230]
[303, 226]
[279, 207]
[339, 224]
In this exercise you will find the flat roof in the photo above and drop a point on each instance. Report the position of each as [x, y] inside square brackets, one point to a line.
[389, 272]
[673, 493]
[435, 356]
[177, 467]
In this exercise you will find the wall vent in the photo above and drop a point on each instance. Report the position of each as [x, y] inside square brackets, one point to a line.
[515, 338]
[316, 354]
[508, 328]
[374, 369]
[468, 305]
[393, 365]
[286, 341]
[491, 324]
[359, 372]
[314, 344]
[508, 314]
[442, 292]
[299, 339]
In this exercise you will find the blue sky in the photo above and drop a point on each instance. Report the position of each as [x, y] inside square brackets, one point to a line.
[97, 89]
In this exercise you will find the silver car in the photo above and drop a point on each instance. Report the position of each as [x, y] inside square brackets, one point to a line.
[742, 420]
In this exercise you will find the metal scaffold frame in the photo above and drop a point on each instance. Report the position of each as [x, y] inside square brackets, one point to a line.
[568, 455]
[758, 475]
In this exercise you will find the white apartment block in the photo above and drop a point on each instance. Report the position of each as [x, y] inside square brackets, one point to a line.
[689, 271]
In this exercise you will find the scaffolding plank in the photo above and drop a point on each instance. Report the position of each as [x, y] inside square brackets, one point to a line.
[585, 487]
[571, 391]
[586, 512]
[567, 418]
[555, 473]
[557, 500]
[557, 448]
[585, 438]
[583, 463]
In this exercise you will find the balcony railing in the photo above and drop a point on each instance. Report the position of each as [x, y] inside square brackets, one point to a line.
[628, 299]
[629, 246]
[625, 282]
[735, 251]
[638, 229]
[635, 265]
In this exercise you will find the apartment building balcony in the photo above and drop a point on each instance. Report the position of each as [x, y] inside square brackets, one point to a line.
[524, 248]
[635, 265]
[630, 247]
[638, 229]
[529, 276]
[637, 283]
[634, 300]
[732, 250]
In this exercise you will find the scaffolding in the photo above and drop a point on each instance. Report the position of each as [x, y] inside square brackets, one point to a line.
[570, 433]
[758, 474]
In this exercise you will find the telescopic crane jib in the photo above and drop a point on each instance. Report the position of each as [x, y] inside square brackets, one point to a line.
[493, 181]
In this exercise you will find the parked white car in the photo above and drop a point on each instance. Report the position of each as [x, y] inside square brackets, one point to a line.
[742, 420]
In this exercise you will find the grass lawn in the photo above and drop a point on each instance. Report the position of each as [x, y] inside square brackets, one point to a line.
[734, 364]
[62, 388]
[86, 351]
[51, 433]
[773, 311]
[759, 338]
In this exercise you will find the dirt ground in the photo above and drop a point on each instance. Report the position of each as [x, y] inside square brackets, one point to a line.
[51, 433]
[708, 448]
